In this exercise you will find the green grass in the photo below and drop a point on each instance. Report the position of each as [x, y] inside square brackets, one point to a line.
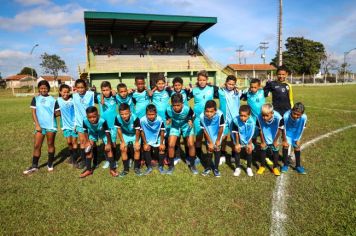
[61, 203]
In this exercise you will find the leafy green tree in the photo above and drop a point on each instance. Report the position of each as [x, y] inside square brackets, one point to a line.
[302, 56]
[28, 71]
[53, 64]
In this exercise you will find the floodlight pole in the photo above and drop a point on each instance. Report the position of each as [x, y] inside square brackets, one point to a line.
[279, 46]
[239, 53]
[34, 87]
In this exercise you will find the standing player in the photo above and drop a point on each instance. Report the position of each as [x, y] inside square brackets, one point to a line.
[65, 102]
[140, 97]
[213, 124]
[82, 99]
[44, 109]
[270, 124]
[152, 134]
[181, 118]
[160, 97]
[202, 93]
[97, 128]
[128, 130]
[282, 94]
[243, 130]
[178, 89]
[124, 96]
[294, 125]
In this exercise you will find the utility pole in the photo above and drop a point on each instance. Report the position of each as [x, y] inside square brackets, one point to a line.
[239, 53]
[279, 45]
[263, 47]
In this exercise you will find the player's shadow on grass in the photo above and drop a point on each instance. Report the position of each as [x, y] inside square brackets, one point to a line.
[59, 158]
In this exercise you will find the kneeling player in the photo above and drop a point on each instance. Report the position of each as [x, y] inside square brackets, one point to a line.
[243, 129]
[97, 128]
[152, 134]
[294, 124]
[213, 124]
[128, 130]
[181, 116]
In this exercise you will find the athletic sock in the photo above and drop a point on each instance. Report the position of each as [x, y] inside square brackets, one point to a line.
[236, 155]
[223, 153]
[161, 159]
[35, 160]
[192, 160]
[285, 156]
[112, 163]
[201, 157]
[209, 161]
[95, 155]
[126, 165]
[275, 159]
[114, 153]
[148, 158]
[217, 155]
[88, 163]
[82, 154]
[297, 158]
[249, 160]
[263, 158]
[50, 159]
[74, 155]
[136, 164]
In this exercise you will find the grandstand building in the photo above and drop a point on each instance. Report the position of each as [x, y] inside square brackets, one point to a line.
[120, 46]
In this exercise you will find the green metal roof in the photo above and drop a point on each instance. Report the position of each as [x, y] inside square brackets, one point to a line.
[145, 23]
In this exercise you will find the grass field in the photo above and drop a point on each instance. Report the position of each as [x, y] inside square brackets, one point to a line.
[320, 203]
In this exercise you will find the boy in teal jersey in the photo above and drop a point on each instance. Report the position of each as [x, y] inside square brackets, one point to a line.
[255, 97]
[140, 97]
[44, 110]
[152, 135]
[108, 111]
[243, 129]
[128, 131]
[201, 94]
[213, 124]
[294, 124]
[82, 99]
[229, 101]
[271, 125]
[124, 96]
[178, 89]
[66, 107]
[181, 119]
[97, 128]
[160, 97]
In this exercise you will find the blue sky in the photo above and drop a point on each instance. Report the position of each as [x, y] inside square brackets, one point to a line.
[58, 27]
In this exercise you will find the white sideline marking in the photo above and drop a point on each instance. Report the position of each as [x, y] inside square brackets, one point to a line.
[279, 200]
[331, 109]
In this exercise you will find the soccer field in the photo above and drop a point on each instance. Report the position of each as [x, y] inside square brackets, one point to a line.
[320, 203]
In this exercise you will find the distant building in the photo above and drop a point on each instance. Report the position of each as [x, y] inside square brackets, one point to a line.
[61, 79]
[261, 71]
[18, 81]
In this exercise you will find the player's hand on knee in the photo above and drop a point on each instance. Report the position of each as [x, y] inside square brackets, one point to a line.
[238, 148]
[122, 147]
[107, 148]
[162, 147]
[137, 146]
[211, 147]
[146, 147]
[285, 144]
[263, 145]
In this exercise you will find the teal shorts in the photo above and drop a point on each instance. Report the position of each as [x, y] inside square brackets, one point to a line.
[113, 134]
[185, 131]
[130, 139]
[274, 149]
[96, 137]
[45, 131]
[79, 129]
[244, 146]
[197, 129]
[67, 133]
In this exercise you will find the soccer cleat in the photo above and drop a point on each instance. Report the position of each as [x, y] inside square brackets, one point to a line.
[170, 171]
[106, 165]
[261, 170]
[194, 170]
[138, 172]
[176, 160]
[161, 170]
[86, 173]
[249, 172]
[205, 172]
[300, 170]
[284, 169]
[50, 168]
[123, 174]
[269, 162]
[217, 173]
[81, 165]
[222, 160]
[113, 173]
[237, 172]
[30, 170]
[276, 171]
[148, 171]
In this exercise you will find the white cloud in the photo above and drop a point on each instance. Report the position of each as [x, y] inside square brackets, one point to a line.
[67, 36]
[32, 2]
[51, 16]
[12, 61]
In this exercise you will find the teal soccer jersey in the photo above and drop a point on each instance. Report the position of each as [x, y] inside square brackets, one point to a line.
[152, 130]
[141, 100]
[45, 107]
[269, 129]
[161, 100]
[128, 100]
[96, 131]
[108, 110]
[180, 121]
[81, 103]
[229, 105]
[212, 125]
[128, 128]
[245, 130]
[294, 128]
[185, 94]
[255, 101]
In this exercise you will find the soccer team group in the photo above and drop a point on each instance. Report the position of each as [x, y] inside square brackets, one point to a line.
[148, 124]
